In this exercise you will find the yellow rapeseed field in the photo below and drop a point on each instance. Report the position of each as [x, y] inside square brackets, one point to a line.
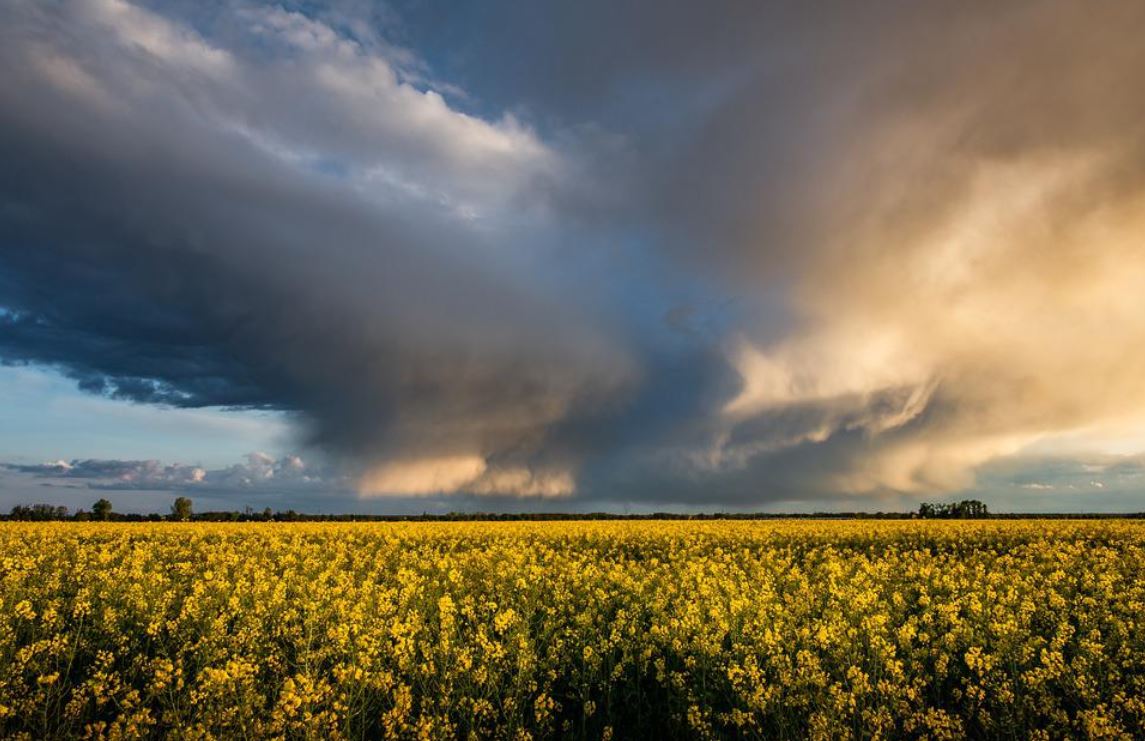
[585, 629]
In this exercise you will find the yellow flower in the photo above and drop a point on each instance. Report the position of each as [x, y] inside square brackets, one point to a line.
[23, 609]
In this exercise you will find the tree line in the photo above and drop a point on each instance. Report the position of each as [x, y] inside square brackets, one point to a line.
[101, 511]
[182, 510]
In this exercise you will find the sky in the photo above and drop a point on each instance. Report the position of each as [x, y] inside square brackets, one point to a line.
[357, 256]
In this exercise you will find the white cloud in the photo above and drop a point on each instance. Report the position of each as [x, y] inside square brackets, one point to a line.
[171, 43]
[361, 110]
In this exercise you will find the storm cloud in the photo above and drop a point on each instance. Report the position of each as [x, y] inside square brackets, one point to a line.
[616, 252]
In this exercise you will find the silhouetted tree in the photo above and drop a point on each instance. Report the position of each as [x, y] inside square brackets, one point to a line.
[181, 509]
[101, 510]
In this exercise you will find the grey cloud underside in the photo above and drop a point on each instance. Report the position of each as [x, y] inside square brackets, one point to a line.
[159, 257]
[259, 473]
[549, 266]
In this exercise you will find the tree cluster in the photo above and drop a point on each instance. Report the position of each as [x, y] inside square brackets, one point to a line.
[966, 509]
[38, 512]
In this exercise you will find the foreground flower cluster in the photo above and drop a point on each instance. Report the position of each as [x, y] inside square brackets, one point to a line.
[606, 629]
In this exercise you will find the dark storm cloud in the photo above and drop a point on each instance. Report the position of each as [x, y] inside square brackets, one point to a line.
[684, 253]
[163, 246]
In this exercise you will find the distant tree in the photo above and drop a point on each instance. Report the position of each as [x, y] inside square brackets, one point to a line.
[268, 514]
[101, 510]
[181, 509]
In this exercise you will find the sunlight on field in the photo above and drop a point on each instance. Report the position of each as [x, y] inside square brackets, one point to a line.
[617, 629]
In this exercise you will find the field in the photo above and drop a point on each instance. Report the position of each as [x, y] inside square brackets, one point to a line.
[574, 629]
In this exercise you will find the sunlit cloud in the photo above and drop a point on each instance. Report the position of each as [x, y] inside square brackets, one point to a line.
[462, 473]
